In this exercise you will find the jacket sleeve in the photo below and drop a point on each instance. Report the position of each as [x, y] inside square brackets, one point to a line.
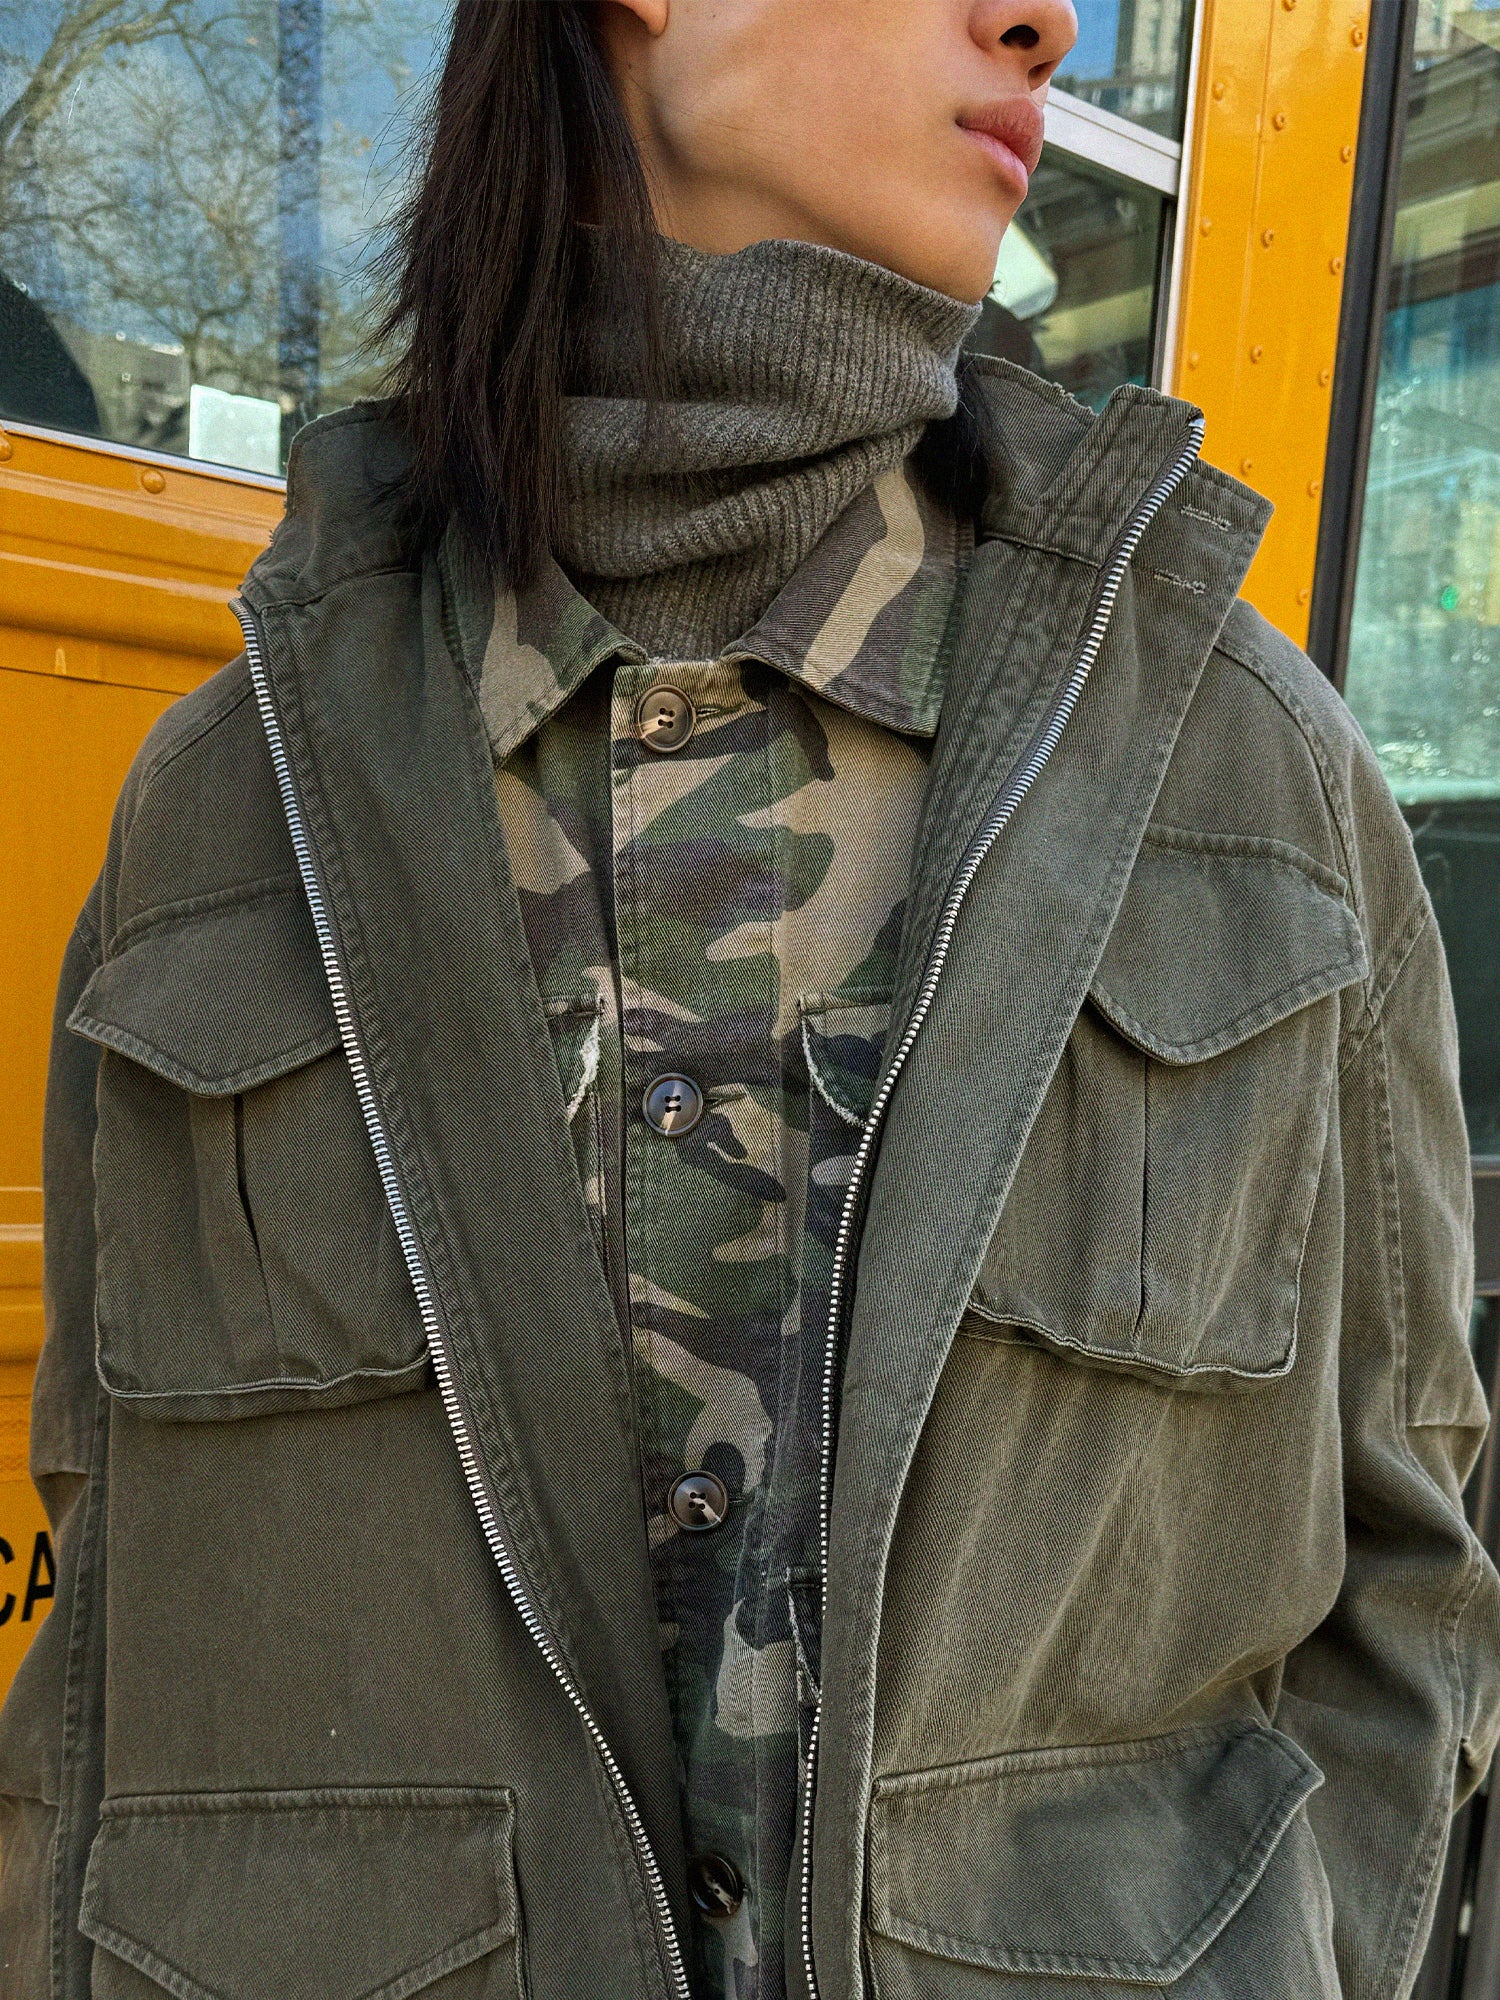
[1397, 1694]
[51, 1727]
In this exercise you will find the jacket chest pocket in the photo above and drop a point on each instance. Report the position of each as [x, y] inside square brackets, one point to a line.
[247, 1261]
[1161, 1208]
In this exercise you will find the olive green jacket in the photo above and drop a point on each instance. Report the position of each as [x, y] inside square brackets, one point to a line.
[1153, 1646]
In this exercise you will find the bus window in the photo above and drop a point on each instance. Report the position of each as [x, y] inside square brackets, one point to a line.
[1080, 290]
[1131, 58]
[190, 196]
[1076, 292]
[1423, 670]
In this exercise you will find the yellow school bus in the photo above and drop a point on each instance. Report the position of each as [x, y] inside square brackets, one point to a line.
[1285, 210]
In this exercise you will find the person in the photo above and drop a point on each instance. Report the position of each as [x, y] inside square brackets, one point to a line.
[40, 382]
[756, 1201]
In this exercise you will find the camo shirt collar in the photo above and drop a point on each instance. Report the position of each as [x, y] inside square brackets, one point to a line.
[861, 623]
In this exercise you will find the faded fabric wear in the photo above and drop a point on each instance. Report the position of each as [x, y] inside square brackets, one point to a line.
[1156, 1648]
[730, 910]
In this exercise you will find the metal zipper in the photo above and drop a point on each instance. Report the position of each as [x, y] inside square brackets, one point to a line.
[432, 1321]
[1018, 783]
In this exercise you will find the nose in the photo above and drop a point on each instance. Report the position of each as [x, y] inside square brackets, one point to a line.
[1039, 32]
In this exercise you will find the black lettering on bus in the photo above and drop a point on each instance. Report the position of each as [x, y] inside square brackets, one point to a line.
[7, 1554]
[36, 1589]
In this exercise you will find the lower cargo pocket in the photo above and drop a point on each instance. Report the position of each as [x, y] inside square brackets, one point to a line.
[375, 1894]
[1183, 1865]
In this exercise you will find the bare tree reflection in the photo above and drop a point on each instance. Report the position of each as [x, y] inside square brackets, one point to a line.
[186, 191]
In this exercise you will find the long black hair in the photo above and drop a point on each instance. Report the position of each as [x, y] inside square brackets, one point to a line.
[525, 138]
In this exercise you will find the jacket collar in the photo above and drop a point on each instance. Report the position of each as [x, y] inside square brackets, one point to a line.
[861, 622]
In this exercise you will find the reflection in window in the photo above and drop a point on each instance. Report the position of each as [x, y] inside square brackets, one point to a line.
[190, 192]
[1424, 655]
[1131, 58]
[1075, 292]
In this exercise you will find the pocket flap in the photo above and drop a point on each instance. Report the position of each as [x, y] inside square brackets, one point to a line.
[844, 1041]
[218, 999]
[1220, 936]
[1122, 1862]
[334, 1895]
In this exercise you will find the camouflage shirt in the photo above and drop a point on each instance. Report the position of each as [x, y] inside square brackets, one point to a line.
[728, 910]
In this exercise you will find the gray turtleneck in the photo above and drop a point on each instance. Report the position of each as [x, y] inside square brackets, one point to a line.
[796, 375]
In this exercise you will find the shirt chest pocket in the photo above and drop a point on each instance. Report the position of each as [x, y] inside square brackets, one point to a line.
[1161, 1208]
[247, 1261]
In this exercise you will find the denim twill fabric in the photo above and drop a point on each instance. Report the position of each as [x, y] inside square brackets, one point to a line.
[1148, 1568]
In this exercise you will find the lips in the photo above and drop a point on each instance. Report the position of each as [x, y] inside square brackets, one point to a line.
[1013, 126]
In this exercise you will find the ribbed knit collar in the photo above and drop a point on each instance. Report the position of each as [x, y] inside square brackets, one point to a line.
[797, 376]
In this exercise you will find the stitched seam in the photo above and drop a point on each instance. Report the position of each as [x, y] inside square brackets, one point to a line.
[1220, 521]
[111, 1036]
[1266, 673]
[305, 1385]
[1383, 978]
[1406, 1910]
[1067, 1757]
[1184, 1372]
[1037, 546]
[84, 1614]
[1248, 1868]
[291, 601]
[464, 1951]
[201, 728]
[162, 916]
[1249, 846]
[315, 1798]
[88, 932]
[1127, 1358]
[763, 1760]
[843, 997]
[1264, 1012]
[1241, 1880]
